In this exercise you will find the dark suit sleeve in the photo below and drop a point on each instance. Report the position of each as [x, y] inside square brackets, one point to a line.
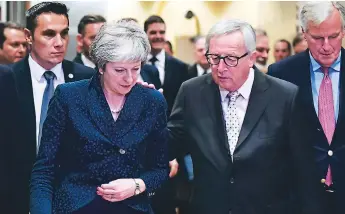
[7, 125]
[308, 190]
[176, 126]
[157, 163]
[43, 173]
[272, 71]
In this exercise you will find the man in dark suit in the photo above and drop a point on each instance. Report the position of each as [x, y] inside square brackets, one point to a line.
[13, 45]
[35, 78]
[320, 74]
[236, 124]
[201, 65]
[172, 72]
[88, 28]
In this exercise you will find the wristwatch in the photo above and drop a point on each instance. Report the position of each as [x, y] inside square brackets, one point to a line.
[137, 188]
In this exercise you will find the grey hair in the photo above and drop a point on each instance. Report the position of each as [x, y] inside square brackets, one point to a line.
[260, 32]
[226, 27]
[318, 12]
[120, 41]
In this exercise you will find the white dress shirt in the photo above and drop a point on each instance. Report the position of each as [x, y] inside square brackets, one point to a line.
[87, 62]
[39, 84]
[201, 70]
[242, 100]
[160, 64]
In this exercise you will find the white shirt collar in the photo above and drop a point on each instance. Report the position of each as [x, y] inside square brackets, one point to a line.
[87, 62]
[315, 65]
[37, 71]
[160, 56]
[244, 90]
[200, 70]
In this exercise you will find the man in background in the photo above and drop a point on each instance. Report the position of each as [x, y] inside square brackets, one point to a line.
[299, 44]
[168, 48]
[88, 28]
[282, 49]
[13, 45]
[201, 65]
[172, 71]
[262, 49]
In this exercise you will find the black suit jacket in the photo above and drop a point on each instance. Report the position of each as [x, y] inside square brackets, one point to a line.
[23, 148]
[296, 69]
[192, 71]
[150, 74]
[176, 72]
[269, 163]
[77, 59]
[7, 131]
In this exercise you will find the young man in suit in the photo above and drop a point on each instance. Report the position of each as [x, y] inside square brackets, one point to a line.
[236, 124]
[201, 65]
[88, 28]
[172, 72]
[320, 74]
[35, 78]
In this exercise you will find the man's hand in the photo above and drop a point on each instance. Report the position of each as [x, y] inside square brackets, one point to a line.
[173, 168]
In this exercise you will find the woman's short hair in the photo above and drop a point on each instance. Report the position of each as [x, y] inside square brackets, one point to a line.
[120, 41]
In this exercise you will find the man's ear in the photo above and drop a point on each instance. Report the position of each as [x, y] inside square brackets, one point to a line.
[79, 40]
[28, 36]
[252, 58]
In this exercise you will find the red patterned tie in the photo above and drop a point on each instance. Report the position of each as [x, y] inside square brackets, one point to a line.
[326, 113]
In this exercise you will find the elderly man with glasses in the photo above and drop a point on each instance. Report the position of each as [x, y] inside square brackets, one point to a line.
[236, 125]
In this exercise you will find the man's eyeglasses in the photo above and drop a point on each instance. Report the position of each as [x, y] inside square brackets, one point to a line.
[232, 61]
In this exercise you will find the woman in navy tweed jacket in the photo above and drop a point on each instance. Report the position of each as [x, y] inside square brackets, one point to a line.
[104, 142]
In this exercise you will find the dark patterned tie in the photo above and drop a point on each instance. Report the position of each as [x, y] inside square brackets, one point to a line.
[153, 60]
[48, 93]
[326, 113]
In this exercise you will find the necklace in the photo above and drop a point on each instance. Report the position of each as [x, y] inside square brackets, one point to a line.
[116, 111]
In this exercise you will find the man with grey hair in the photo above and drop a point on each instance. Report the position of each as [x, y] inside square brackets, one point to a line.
[320, 73]
[236, 124]
[262, 49]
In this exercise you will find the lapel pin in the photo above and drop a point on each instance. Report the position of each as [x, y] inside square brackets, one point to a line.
[70, 76]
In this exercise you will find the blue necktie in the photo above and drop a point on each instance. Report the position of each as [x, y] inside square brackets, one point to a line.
[48, 93]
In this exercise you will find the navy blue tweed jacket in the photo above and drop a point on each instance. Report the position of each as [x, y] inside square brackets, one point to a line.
[82, 147]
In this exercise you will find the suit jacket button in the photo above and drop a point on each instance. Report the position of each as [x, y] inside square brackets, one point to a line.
[232, 180]
[122, 151]
[323, 180]
[330, 153]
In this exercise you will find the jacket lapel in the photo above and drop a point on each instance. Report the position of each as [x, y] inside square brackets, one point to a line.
[68, 71]
[217, 153]
[22, 75]
[168, 71]
[101, 115]
[258, 101]
[341, 114]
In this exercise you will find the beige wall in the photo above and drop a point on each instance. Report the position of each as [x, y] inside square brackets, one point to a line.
[278, 18]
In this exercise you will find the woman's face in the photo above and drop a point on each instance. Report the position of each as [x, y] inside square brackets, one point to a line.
[120, 77]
